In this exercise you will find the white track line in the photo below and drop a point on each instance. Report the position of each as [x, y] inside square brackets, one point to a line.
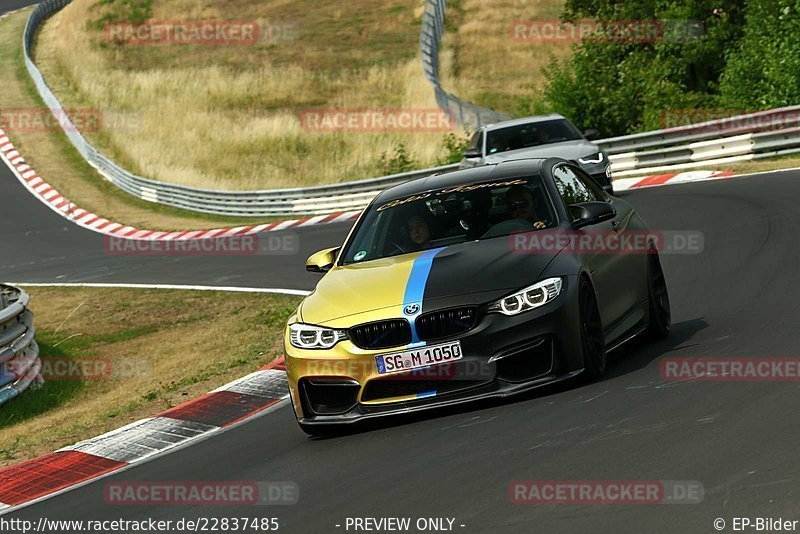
[232, 289]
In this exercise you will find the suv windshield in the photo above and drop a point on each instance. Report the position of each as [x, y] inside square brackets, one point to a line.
[451, 215]
[530, 135]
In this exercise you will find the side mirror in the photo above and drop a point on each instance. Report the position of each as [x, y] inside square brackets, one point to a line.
[591, 134]
[592, 213]
[472, 153]
[322, 261]
[608, 188]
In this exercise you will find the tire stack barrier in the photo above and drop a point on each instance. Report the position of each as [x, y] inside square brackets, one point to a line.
[20, 365]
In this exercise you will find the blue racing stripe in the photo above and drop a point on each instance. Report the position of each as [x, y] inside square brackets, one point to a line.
[415, 288]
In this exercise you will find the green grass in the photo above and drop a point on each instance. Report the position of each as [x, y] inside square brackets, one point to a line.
[164, 348]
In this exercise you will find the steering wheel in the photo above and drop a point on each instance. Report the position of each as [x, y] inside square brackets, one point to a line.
[398, 247]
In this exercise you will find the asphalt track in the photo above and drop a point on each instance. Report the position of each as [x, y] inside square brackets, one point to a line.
[41, 246]
[739, 298]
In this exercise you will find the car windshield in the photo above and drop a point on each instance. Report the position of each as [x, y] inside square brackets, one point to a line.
[455, 214]
[530, 135]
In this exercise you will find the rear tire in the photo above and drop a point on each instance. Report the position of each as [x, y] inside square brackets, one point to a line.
[660, 314]
[592, 338]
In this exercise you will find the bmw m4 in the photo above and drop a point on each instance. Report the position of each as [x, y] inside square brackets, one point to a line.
[472, 284]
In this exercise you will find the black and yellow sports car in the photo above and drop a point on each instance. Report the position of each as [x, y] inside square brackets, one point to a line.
[477, 283]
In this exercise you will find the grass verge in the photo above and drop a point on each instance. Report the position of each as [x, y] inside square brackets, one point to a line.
[481, 63]
[231, 116]
[162, 347]
[763, 165]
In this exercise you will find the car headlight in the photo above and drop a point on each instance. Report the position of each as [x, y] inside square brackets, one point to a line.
[306, 336]
[529, 298]
[592, 158]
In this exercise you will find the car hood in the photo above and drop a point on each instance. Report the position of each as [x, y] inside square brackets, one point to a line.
[475, 272]
[571, 150]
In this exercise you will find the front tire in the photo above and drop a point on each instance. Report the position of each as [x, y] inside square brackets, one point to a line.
[592, 337]
[660, 319]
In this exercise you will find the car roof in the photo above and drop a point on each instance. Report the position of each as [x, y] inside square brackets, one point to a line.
[513, 168]
[523, 120]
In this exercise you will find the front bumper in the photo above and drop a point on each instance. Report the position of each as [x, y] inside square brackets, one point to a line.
[501, 356]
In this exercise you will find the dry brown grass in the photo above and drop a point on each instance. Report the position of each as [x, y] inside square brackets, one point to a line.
[181, 344]
[482, 64]
[56, 160]
[227, 117]
[763, 165]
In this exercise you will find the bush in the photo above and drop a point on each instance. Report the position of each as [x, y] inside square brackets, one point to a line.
[620, 86]
[764, 70]
[399, 162]
[454, 146]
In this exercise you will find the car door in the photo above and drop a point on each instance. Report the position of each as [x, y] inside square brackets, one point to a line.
[615, 275]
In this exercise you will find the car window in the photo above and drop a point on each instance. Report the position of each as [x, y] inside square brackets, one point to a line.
[590, 183]
[574, 188]
[530, 135]
[452, 215]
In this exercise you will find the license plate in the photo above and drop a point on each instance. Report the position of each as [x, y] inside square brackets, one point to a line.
[418, 358]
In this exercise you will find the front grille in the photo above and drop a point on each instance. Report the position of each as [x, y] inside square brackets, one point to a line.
[445, 323]
[381, 334]
[387, 388]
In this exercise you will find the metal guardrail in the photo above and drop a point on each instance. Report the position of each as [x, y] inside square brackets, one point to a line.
[276, 202]
[430, 41]
[724, 127]
[20, 366]
[760, 142]
[712, 142]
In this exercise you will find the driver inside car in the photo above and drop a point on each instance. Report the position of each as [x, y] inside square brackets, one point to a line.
[419, 232]
[519, 203]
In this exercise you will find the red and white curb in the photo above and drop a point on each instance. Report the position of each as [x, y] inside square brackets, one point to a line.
[64, 207]
[623, 184]
[57, 472]
[4, 15]
[61, 205]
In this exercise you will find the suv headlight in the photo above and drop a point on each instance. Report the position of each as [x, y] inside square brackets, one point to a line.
[529, 298]
[306, 336]
[592, 158]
